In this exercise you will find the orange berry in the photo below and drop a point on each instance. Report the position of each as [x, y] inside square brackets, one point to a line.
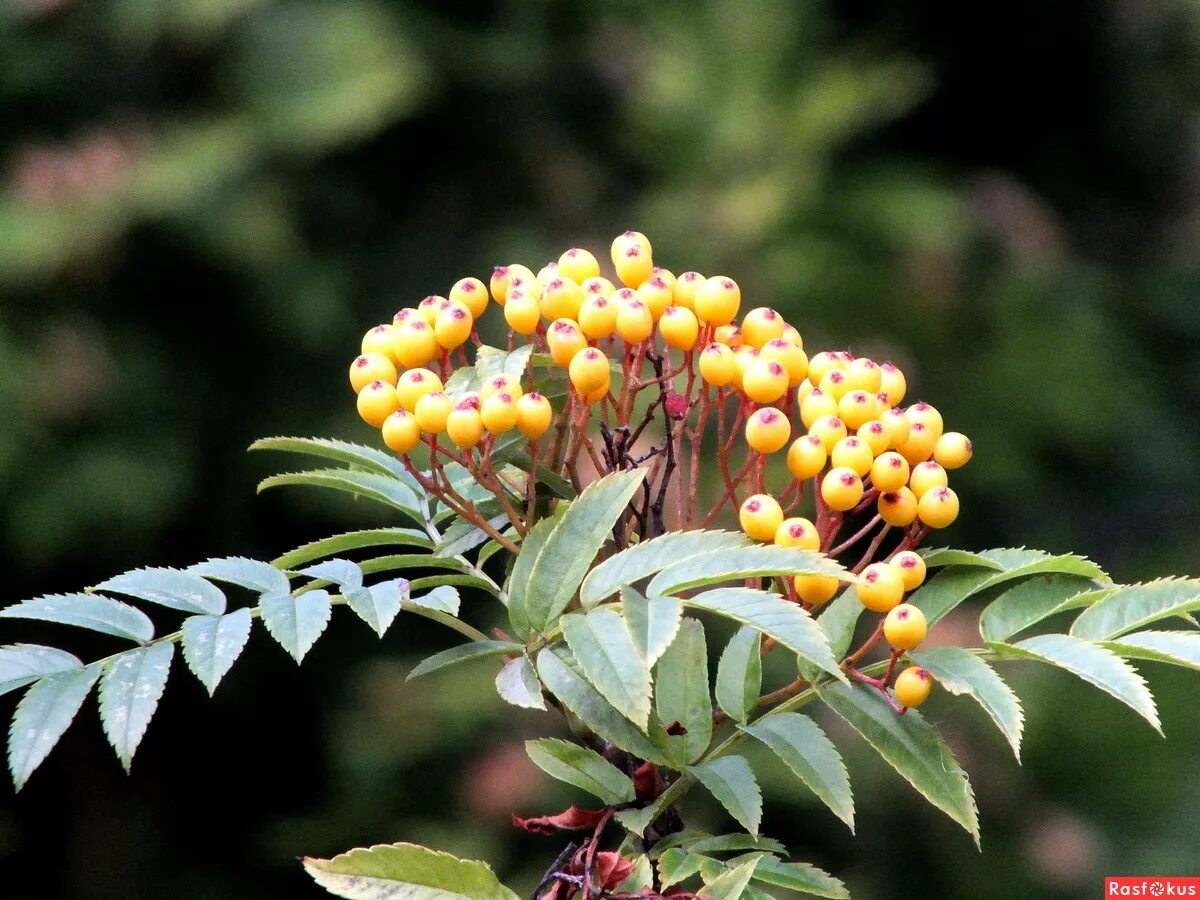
[403, 315]
[597, 395]
[729, 335]
[522, 311]
[634, 322]
[880, 587]
[717, 365]
[822, 364]
[743, 356]
[498, 283]
[464, 426]
[561, 299]
[938, 508]
[401, 433]
[927, 415]
[798, 532]
[852, 453]
[634, 265]
[760, 517]
[841, 489]
[717, 300]
[414, 343]
[621, 296]
[863, 374]
[376, 402]
[905, 627]
[875, 435]
[815, 590]
[685, 289]
[665, 274]
[835, 384]
[679, 327]
[379, 340]
[897, 426]
[898, 508]
[925, 477]
[806, 457]
[598, 317]
[767, 430]
[913, 686]
[429, 308]
[830, 429]
[431, 412]
[371, 367]
[857, 408]
[565, 340]
[656, 294]
[415, 384]
[764, 381]
[920, 444]
[578, 264]
[500, 384]
[791, 334]
[597, 286]
[788, 355]
[471, 293]
[533, 415]
[453, 325]
[912, 568]
[817, 404]
[889, 471]
[760, 325]
[547, 273]
[588, 371]
[892, 383]
[953, 450]
[499, 413]
[622, 242]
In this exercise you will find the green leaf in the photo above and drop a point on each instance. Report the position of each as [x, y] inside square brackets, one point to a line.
[22, 664]
[1032, 601]
[1133, 607]
[676, 865]
[1099, 667]
[518, 580]
[839, 620]
[471, 581]
[962, 672]
[251, 574]
[775, 617]
[911, 746]
[212, 643]
[804, 748]
[606, 652]
[342, 572]
[570, 548]
[353, 540]
[443, 599]
[731, 781]
[653, 624]
[463, 653]
[296, 622]
[379, 604]
[462, 537]
[384, 489]
[645, 559]
[739, 674]
[517, 683]
[802, 877]
[44, 713]
[93, 611]
[730, 885]
[947, 589]
[582, 767]
[729, 843]
[1180, 648]
[681, 692]
[944, 556]
[594, 711]
[358, 455]
[740, 563]
[172, 588]
[492, 361]
[129, 695]
[406, 871]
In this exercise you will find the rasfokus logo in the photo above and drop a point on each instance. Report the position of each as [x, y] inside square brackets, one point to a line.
[1151, 886]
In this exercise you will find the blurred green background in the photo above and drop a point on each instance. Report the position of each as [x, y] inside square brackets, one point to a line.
[203, 203]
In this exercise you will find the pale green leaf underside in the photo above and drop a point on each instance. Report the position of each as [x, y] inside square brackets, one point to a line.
[517, 683]
[652, 623]
[731, 781]
[92, 611]
[962, 672]
[645, 559]
[296, 622]
[172, 588]
[1180, 648]
[612, 662]
[582, 767]
[260, 577]
[43, 714]
[1133, 607]
[211, 644]
[21, 664]
[730, 883]
[1033, 601]
[129, 695]
[405, 872]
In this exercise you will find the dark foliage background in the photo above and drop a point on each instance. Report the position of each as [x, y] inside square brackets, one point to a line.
[203, 203]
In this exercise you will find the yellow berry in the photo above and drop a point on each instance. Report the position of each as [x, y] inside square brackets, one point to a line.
[822, 364]
[857, 408]
[864, 375]
[880, 587]
[578, 264]
[679, 327]
[622, 242]
[816, 404]
[499, 413]
[564, 340]
[797, 532]
[588, 371]
[379, 340]
[429, 308]
[464, 426]
[875, 435]
[953, 450]
[717, 300]
[598, 317]
[743, 356]
[852, 453]
[927, 415]
[621, 296]
[760, 517]
[768, 430]
[791, 334]
[403, 315]
[533, 415]
[892, 383]
[665, 274]
[897, 426]
[453, 325]
[806, 457]
[925, 477]
[889, 471]
[898, 508]
[788, 355]
[905, 627]
[912, 568]
[471, 293]
[597, 395]
[415, 384]
[522, 311]
[401, 433]
[938, 508]
[634, 265]
[634, 322]
[500, 384]
[913, 686]
[414, 343]
[498, 283]
[547, 273]
[815, 590]
[656, 294]
[764, 381]
[685, 289]
[431, 412]
[521, 278]
[717, 365]
[729, 335]
[830, 429]
[371, 367]
[597, 286]
[561, 299]
[841, 489]
[835, 384]
[376, 402]
[920, 444]
[760, 325]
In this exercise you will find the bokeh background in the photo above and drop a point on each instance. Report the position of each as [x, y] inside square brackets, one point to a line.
[203, 203]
